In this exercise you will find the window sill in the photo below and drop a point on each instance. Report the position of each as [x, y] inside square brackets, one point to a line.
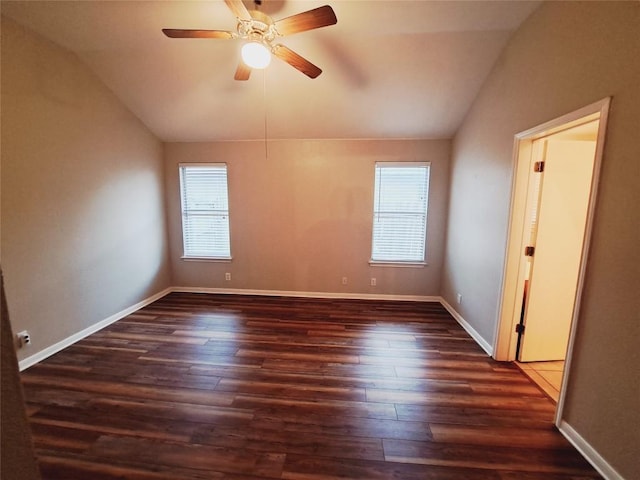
[207, 259]
[382, 263]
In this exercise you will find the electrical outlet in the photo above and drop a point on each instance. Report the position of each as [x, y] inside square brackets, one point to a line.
[344, 280]
[373, 281]
[459, 298]
[227, 277]
[24, 338]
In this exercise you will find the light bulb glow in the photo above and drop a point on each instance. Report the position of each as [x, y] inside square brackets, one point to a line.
[256, 55]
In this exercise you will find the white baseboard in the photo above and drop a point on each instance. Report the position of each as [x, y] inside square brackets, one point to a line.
[470, 330]
[588, 452]
[285, 293]
[56, 347]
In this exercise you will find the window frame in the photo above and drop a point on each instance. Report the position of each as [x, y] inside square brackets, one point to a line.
[400, 262]
[219, 212]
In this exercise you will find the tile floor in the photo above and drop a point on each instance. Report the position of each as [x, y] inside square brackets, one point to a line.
[547, 375]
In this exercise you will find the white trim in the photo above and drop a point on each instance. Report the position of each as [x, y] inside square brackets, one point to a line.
[588, 229]
[588, 452]
[568, 120]
[288, 293]
[486, 346]
[377, 214]
[215, 252]
[403, 163]
[56, 347]
[206, 259]
[202, 164]
[391, 263]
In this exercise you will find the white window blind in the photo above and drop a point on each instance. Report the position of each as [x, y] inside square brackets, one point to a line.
[205, 210]
[400, 212]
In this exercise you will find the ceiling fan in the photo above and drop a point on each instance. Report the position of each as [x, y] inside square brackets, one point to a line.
[260, 32]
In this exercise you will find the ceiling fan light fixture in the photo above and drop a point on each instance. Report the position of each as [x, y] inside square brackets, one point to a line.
[259, 31]
[256, 55]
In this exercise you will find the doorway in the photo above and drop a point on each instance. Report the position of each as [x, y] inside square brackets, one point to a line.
[554, 190]
[561, 172]
[559, 188]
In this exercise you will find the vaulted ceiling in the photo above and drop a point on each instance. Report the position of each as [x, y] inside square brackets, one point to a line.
[391, 69]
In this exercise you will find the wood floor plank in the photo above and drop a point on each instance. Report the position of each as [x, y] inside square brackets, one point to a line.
[243, 387]
[321, 357]
[264, 438]
[49, 436]
[85, 467]
[182, 412]
[271, 388]
[325, 407]
[207, 458]
[461, 399]
[498, 436]
[328, 367]
[187, 395]
[298, 467]
[312, 424]
[484, 457]
[515, 418]
[471, 374]
[124, 425]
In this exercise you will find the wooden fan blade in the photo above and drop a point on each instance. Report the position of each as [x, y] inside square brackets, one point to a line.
[238, 9]
[243, 71]
[296, 61]
[316, 18]
[178, 33]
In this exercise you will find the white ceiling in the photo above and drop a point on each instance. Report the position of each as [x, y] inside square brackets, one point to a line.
[391, 69]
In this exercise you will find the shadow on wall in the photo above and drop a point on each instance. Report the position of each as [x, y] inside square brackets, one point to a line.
[18, 460]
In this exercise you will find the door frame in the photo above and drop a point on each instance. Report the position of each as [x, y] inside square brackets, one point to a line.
[512, 289]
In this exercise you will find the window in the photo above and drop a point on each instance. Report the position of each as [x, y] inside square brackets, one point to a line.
[400, 212]
[205, 210]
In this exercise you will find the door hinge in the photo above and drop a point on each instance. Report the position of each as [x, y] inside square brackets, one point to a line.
[529, 251]
[538, 167]
[520, 328]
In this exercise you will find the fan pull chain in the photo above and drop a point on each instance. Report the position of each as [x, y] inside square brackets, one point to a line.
[264, 106]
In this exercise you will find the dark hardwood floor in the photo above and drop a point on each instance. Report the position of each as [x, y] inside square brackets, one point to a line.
[201, 386]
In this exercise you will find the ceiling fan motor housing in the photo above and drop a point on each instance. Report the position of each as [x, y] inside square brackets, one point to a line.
[260, 28]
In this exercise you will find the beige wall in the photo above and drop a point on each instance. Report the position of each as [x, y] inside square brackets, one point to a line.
[565, 56]
[83, 222]
[301, 219]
